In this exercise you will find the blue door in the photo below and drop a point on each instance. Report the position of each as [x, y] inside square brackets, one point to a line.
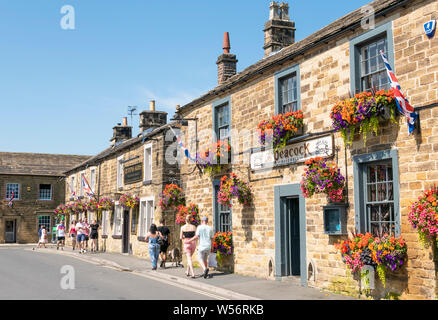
[290, 236]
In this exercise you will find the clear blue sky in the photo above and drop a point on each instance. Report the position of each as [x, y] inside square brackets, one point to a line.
[62, 91]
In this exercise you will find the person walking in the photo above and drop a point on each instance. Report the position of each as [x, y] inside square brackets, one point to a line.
[165, 244]
[94, 235]
[187, 234]
[205, 235]
[80, 236]
[154, 247]
[43, 237]
[60, 235]
[40, 230]
[72, 233]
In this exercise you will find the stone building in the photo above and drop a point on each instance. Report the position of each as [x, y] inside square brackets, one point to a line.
[36, 181]
[282, 235]
[131, 165]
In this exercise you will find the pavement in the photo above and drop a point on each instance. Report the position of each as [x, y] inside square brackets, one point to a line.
[230, 285]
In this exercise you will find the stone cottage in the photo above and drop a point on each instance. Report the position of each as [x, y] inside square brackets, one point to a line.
[282, 235]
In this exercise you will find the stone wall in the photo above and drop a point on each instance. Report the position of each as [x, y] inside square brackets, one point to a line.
[325, 79]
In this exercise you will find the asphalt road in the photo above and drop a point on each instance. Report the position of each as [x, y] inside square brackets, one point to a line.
[31, 275]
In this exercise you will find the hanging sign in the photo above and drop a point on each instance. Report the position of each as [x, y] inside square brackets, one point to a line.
[133, 173]
[293, 153]
[430, 28]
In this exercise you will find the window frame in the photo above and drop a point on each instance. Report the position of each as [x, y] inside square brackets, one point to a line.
[93, 183]
[119, 177]
[216, 211]
[117, 209]
[39, 191]
[359, 171]
[141, 217]
[215, 106]
[81, 189]
[355, 51]
[281, 75]
[16, 196]
[149, 147]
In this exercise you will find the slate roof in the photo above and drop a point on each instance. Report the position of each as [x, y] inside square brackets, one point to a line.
[333, 30]
[39, 164]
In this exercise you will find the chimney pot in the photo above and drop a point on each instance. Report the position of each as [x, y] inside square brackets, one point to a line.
[125, 121]
[152, 105]
[226, 46]
[226, 63]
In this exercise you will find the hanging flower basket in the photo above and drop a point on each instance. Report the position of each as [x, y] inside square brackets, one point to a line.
[280, 128]
[231, 186]
[79, 207]
[128, 201]
[323, 176]
[363, 113]
[423, 216]
[93, 205]
[60, 211]
[210, 159]
[383, 253]
[172, 197]
[223, 243]
[105, 204]
[192, 210]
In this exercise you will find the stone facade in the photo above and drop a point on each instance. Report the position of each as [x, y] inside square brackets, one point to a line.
[325, 78]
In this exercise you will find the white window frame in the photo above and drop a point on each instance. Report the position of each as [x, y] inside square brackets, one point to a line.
[51, 192]
[81, 192]
[16, 195]
[119, 172]
[147, 163]
[72, 184]
[118, 209]
[145, 218]
[93, 181]
[104, 222]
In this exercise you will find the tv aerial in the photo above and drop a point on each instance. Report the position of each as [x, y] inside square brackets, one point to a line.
[131, 111]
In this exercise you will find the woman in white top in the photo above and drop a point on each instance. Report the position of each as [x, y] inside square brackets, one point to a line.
[43, 237]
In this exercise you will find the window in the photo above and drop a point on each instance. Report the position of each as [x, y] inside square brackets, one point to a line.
[148, 162]
[368, 71]
[287, 90]
[44, 221]
[117, 220]
[72, 187]
[82, 187]
[134, 221]
[93, 179]
[221, 119]
[45, 192]
[146, 216]
[372, 69]
[12, 188]
[119, 172]
[376, 192]
[105, 222]
[288, 94]
[222, 214]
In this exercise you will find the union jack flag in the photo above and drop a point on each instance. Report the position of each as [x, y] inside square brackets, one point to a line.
[402, 103]
[86, 187]
[72, 192]
[182, 147]
[11, 200]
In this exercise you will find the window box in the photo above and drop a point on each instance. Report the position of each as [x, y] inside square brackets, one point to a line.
[335, 219]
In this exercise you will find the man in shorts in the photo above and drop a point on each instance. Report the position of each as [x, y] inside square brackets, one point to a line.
[80, 236]
[166, 242]
[205, 235]
[60, 234]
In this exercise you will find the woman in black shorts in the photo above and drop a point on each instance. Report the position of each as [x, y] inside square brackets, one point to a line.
[94, 235]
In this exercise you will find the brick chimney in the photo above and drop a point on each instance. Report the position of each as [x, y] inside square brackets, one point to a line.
[151, 119]
[279, 30]
[121, 132]
[226, 63]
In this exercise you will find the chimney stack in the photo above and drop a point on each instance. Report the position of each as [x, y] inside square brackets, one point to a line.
[226, 63]
[151, 119]
[121, 132]
[279, 30]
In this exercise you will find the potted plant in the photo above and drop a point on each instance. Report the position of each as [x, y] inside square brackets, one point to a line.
[223, 247]
[192, 210]
[172, 196]
[210, 159]
[323, 176]
[423, 216]
[363, 113]
[231, 186]
[128, 201]
[280, 128]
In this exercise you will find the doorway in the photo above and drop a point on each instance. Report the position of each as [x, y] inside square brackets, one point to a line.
[290, 225]
[125, 232]
[11, 231]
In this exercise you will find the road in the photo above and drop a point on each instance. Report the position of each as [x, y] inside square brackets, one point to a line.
[30, 275]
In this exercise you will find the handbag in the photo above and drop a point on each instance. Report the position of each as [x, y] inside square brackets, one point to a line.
[212, 261]
[160, 241]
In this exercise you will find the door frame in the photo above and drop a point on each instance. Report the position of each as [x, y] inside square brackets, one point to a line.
[290, 191]
[125, 230]
[15, 230]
